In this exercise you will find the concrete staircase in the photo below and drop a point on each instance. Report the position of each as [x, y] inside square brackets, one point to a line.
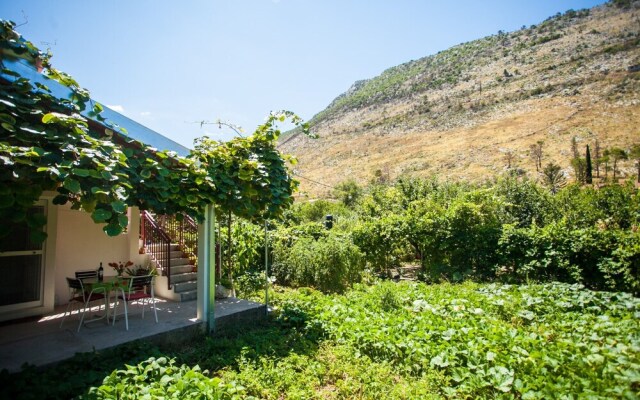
[184, 279]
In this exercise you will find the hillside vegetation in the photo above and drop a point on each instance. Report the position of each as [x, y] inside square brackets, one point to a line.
[462, 112]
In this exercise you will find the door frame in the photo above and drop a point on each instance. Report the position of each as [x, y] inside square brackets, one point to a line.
[46, 303]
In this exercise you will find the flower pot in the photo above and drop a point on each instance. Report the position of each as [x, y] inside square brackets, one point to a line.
[222, 292]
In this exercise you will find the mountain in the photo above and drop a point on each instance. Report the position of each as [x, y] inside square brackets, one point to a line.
[468, 111]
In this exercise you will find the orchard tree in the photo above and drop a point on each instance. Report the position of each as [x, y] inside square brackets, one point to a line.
[553, 177]
[535, 150]
[616, 154]
[348, 192]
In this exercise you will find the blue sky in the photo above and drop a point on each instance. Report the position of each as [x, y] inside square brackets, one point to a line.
[170, 64]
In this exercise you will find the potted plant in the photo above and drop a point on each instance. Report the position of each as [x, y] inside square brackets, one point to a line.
[120, 266]
[224, 288]
[141, 270]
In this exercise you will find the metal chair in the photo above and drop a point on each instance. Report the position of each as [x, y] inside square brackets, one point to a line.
[87, 274]
[78, 295]
[140, 288]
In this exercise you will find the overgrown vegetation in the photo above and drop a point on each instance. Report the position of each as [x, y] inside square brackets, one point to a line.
[511, 230]
[390, 340]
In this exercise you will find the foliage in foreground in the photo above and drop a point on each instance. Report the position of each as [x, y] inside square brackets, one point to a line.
[471, 340]
[400, 341]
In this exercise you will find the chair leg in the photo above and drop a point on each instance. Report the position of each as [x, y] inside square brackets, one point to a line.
[126, 314]
[155, 312]
[115, 310]
[66, 312]
[84, 310]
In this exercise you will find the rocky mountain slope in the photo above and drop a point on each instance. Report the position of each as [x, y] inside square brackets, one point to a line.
[464, 112]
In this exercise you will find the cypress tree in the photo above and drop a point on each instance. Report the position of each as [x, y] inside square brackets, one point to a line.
[589, 171]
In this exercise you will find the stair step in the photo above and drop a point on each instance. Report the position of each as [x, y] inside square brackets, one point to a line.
[181, 269]
[185, 286]
[174, 262]
[172, 247]
[184, 277]
[187, 296]
[172, 254]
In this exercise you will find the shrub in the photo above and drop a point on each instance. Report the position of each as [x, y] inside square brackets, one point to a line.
[330, 264]
[611, 206]
[382, 241]
[460, 240]
[598, 258]
[525, 202]
[160, 378]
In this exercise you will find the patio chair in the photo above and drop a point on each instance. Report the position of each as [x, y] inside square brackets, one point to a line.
[87, 274]
[140, 288]
[82, 298]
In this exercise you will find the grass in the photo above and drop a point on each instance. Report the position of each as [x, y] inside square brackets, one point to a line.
[397, 341]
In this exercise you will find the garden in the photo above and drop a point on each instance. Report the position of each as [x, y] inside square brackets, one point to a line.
[519, 294]
[398, 340]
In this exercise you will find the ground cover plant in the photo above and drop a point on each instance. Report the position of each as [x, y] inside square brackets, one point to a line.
[397, 340]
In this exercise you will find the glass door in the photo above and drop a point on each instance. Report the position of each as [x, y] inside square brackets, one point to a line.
[21, 266]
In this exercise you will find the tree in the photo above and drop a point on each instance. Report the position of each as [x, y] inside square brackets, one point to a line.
[605, 159]
[578, 163]
[553, 177]
[597, 157]
[588, 170]
[536, 153]
[348, 192]
[635, 155]
[509, 158]
[616, 154]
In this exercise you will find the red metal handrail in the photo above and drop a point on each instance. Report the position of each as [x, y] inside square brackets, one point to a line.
[183, 231]
[157, 244]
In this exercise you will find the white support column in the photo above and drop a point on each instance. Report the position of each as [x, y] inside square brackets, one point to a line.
[206, 269]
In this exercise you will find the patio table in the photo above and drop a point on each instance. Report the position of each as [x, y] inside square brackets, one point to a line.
[109, 284]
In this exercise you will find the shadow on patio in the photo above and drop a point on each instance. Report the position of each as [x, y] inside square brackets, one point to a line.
[41, 341]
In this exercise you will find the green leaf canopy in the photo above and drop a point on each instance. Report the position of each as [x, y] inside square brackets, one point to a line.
[46, 145]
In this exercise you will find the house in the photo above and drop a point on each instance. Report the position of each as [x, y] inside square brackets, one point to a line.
[34, 274]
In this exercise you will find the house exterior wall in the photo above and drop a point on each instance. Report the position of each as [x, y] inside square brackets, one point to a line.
[82, 244]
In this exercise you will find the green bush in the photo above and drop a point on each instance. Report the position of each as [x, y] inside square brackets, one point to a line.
[611, 206]
[161, 378]
[330, 264]
[525, 202]
[382, 241]
[598, 258]
[458, 240]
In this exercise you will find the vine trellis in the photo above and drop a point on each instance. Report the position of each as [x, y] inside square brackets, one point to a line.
[46, 145]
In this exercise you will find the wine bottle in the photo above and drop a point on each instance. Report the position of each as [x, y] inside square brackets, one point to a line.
[100, 273]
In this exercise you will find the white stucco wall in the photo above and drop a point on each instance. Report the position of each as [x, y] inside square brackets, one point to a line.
[82, 244]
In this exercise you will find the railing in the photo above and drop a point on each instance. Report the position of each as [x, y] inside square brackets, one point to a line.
[157, 244]
[184, 232]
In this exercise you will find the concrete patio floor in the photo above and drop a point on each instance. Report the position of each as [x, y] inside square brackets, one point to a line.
[41, 341]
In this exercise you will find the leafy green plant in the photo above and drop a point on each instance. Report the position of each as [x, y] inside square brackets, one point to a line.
[161, 378]
[331, 263]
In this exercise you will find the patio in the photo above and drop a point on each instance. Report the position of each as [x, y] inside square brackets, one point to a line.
[40, 341]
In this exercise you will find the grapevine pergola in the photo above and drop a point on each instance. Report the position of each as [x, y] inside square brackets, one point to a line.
[49, 143]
